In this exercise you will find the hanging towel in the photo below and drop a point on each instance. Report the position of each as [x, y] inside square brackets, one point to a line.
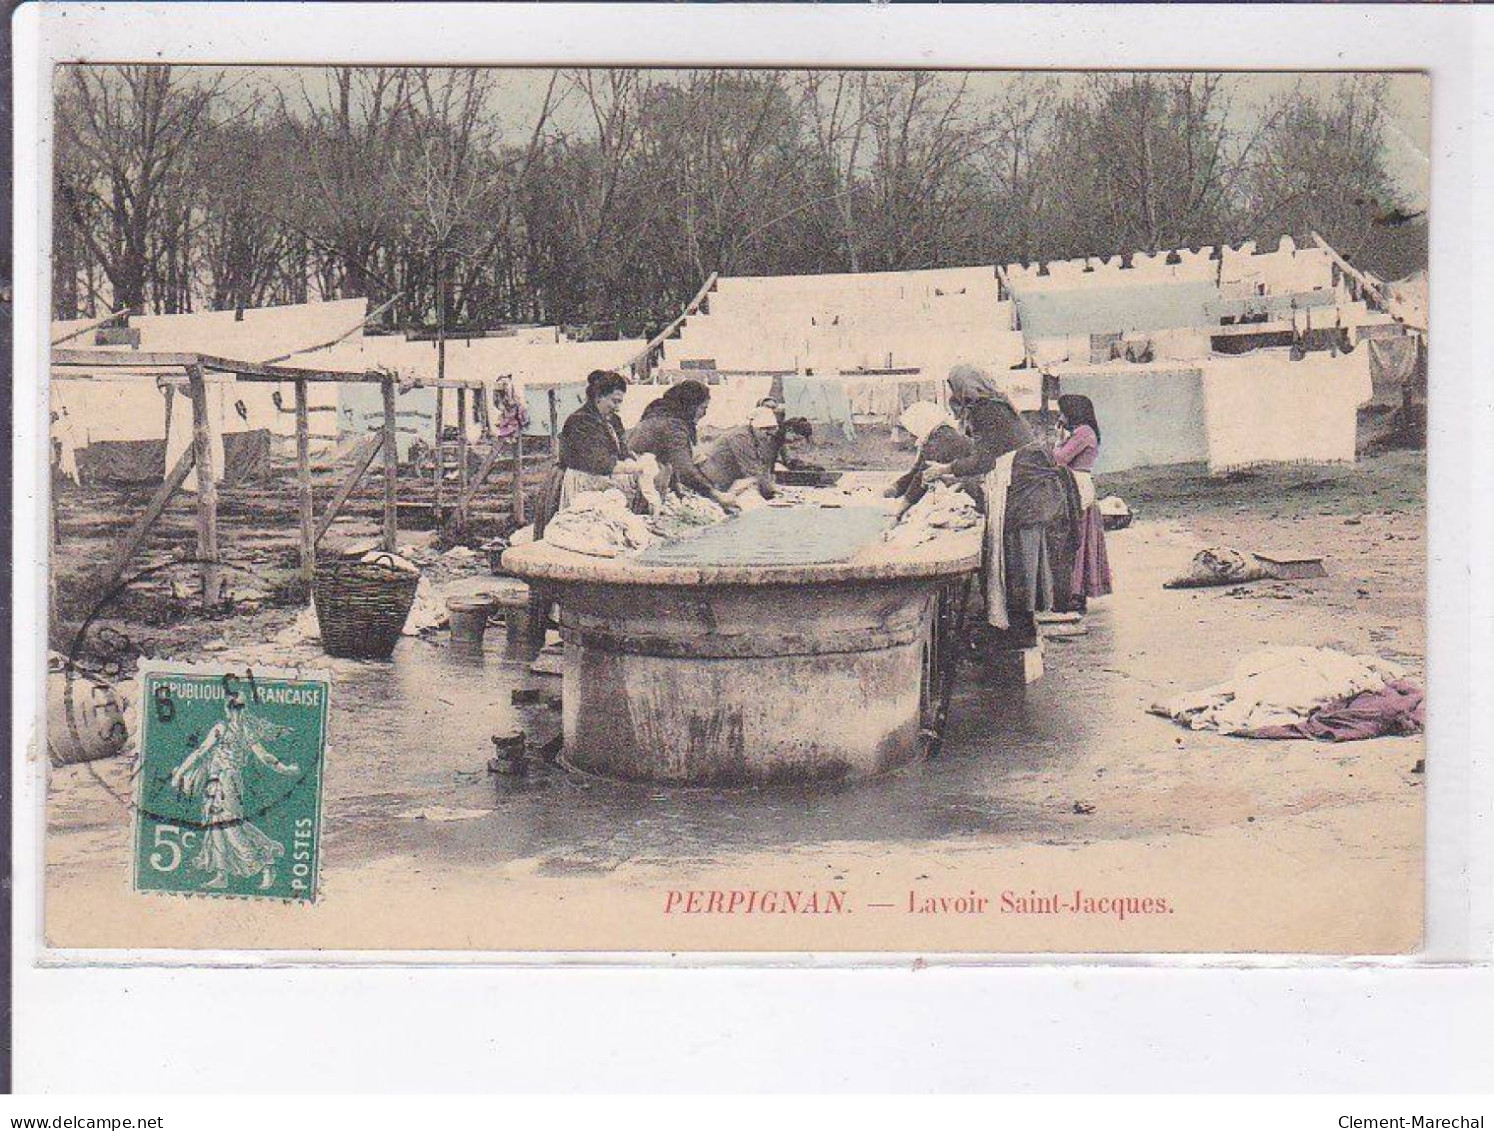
[997, 482]
[1392, 363]
[819, 400]
[568, 398]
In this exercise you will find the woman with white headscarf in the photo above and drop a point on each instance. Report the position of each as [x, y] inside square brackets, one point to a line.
[939, 440]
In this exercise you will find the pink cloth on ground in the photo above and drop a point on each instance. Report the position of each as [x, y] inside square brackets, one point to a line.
[1397, 708]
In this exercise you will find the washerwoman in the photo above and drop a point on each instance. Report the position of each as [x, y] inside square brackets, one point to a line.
[1078, 452]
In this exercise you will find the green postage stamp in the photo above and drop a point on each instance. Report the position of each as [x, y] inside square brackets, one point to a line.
[229, 781]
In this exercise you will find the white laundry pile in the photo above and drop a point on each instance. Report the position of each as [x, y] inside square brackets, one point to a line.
[942, 508]
[427, 613]
[599, 524]
[1278, 687]
[1218, 565]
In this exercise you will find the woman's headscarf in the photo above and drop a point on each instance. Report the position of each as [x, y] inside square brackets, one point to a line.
[1079, 410]
[995, 423]
[921, 418]
[764, 418]
[969, 384]
[680, 401]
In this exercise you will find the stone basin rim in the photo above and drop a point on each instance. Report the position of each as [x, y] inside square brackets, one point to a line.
[945, 557]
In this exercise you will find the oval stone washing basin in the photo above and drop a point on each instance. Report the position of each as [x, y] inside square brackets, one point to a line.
[749, 654]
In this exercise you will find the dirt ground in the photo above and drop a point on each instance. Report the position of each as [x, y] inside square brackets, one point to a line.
[1070, 786]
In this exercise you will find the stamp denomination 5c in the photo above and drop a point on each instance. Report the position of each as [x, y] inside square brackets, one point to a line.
[229, 782]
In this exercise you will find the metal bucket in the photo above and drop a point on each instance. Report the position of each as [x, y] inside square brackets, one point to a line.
[468, 617]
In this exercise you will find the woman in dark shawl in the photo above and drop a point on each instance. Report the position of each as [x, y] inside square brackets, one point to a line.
[1034, 498]
[591, 445]
[667, 430]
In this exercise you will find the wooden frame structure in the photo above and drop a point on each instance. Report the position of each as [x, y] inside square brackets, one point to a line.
[193, 368]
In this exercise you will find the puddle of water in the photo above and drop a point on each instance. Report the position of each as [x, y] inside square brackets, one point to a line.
[417, 732]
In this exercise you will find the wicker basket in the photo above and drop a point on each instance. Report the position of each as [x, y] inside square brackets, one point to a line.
[361, 607]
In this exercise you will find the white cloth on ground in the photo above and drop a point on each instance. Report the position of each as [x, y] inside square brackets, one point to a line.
[427, 611]
[997, 482]
[1278, 686]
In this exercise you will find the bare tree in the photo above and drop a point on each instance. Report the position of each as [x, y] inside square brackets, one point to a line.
[347, 139]
[128, 130]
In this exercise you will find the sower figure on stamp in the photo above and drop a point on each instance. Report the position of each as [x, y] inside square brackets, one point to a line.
[231, 845]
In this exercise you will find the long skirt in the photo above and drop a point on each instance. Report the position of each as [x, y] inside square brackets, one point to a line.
[1091, 572]
[1064, 536]
[1029, 580]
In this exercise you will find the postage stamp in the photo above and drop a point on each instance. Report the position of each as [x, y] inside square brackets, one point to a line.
[229, 783]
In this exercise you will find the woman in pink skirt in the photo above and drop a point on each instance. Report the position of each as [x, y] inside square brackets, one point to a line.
[1078, 452]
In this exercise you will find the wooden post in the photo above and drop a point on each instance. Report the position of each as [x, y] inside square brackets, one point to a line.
[207, 490]
[391, 466]
[436, 499]
[170, 395]
[462, 499]
[303, 484]
[554, 427]
[519, 477]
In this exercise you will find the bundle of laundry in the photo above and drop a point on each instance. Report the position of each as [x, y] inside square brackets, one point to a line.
[683, 515]
[1114, 514]
[599, 524]
[510, 414]
[944, 507]
[1298, 692]
[1218, 565]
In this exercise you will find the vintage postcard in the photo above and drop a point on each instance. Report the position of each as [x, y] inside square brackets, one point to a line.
[565, 511]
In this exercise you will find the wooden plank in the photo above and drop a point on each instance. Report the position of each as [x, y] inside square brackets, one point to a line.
[1380, 293]
[391, 468]
[207, 491]
[462, 499]
[644, 358]
[140, 360]
[362, 322]
[303, 485]
[97, 323]
[130, 544]
[363, 457]
[484, 469]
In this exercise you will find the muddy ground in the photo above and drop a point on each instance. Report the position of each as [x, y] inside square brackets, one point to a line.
[1068, 784]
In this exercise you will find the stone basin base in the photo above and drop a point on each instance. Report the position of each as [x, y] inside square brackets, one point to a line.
[745, 684]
